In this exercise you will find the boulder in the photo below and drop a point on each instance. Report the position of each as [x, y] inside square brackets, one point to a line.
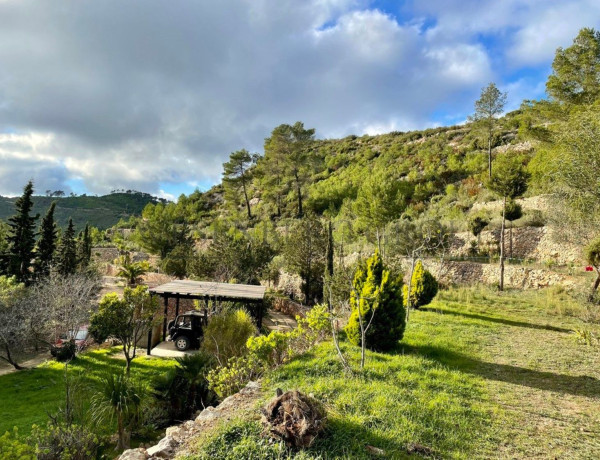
[134, 454]
[164, 449]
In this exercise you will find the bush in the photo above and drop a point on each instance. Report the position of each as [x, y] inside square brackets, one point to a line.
[378, 297]
[231, 378]
[423, 287]
[272, 349]
[11, 446]
[181, 390]
[311, 329]
[66, 352]
[227, 333]
[64, 441]
[592, 253]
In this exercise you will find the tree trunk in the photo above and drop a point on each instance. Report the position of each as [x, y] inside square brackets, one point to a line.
[299, 192]
[595, 287]
[247, 201]
[490, 155]
[502, 246]
[123, 441]
[10, 360]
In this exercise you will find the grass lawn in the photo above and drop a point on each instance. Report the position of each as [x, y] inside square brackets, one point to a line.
[479, 374]
[28, 396]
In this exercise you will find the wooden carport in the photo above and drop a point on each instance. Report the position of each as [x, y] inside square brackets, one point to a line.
[204, 291]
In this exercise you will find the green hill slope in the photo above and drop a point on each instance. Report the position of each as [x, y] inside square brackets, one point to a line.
[100, 211]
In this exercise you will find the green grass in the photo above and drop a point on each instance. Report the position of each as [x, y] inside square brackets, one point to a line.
[29, 396]
[478, 375]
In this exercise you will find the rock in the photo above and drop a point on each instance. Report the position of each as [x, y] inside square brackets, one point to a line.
[134, 454]
[164, 449]
[176, 432]
[206, 414]
[250, 388]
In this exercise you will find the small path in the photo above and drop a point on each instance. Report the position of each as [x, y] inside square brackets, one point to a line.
[30, 363]
[277, 321]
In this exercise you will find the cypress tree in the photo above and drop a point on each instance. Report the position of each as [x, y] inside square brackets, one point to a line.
[67, 251]
[47, 242]
[22, 235]
[85, 247]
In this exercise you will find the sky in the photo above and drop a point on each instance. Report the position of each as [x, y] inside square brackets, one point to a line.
[152, 95]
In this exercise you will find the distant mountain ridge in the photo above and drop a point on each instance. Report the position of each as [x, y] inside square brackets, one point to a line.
[99, 211]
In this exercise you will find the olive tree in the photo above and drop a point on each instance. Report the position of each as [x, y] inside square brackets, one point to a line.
[592, 255]
[127, 319]
[14, 334]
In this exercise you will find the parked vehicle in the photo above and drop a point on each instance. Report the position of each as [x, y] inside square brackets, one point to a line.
[186, 331]
[81, 337]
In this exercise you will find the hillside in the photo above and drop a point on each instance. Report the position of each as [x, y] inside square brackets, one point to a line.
[99, 211]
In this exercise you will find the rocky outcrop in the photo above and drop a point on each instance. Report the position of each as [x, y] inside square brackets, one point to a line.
[177, 438]
[536, 243]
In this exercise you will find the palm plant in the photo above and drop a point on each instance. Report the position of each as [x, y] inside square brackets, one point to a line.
[194, 368]
[122, 398]
[132, 271]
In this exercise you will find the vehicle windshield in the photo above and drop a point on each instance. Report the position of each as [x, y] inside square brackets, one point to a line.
[81, 335]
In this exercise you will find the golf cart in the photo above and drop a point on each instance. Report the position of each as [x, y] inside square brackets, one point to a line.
[186, 330]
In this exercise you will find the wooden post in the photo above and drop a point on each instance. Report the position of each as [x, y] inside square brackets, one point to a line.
[205, 311]
[149, 350]
[177, 306]
[165, 317]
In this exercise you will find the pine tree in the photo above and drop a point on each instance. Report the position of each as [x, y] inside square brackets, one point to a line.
[487, 108]
[22, 235]
[67, 251]
[84, 247]
[236, 175]
[47, 243]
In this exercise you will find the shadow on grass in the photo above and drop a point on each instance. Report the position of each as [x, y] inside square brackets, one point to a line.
[581, 385]
[508, 322]
[349, 440]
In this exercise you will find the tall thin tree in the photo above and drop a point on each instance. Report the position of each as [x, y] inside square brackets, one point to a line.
[237, 174]
[46, 245]
[22, 235]
[84, 247]
[67, 251]
[487, 108]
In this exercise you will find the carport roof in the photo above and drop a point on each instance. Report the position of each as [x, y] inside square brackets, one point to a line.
[209, 290]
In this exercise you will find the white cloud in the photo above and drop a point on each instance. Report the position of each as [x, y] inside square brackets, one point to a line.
[135, 95]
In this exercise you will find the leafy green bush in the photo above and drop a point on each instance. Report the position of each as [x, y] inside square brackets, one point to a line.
[229, 379]
[64, 441]
[272, 349]
[376, 298]
[423, 287]
[227, 333]
[592, 253]
[311, 329]
[11, 446]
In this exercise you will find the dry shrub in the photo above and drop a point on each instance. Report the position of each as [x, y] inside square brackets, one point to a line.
[294, 417]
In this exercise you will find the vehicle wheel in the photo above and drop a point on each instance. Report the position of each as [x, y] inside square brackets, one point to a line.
[182, 343]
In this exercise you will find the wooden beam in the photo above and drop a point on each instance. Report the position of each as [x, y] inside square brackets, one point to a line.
[166, 299]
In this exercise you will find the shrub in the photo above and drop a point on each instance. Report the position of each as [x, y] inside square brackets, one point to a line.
[592, 253]
[229, 379]
[182, 389]
[272, 349]
[11, 446]
[423, 287]
[66, 352]
[378, 297]
[227, 333]
[64, 441]
[311, 329]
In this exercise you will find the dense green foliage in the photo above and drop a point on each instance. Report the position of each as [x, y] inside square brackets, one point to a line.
[378, 314]
[226, 334]
[67, 251]
[21, 238]
[423, 287]
[46, 245]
